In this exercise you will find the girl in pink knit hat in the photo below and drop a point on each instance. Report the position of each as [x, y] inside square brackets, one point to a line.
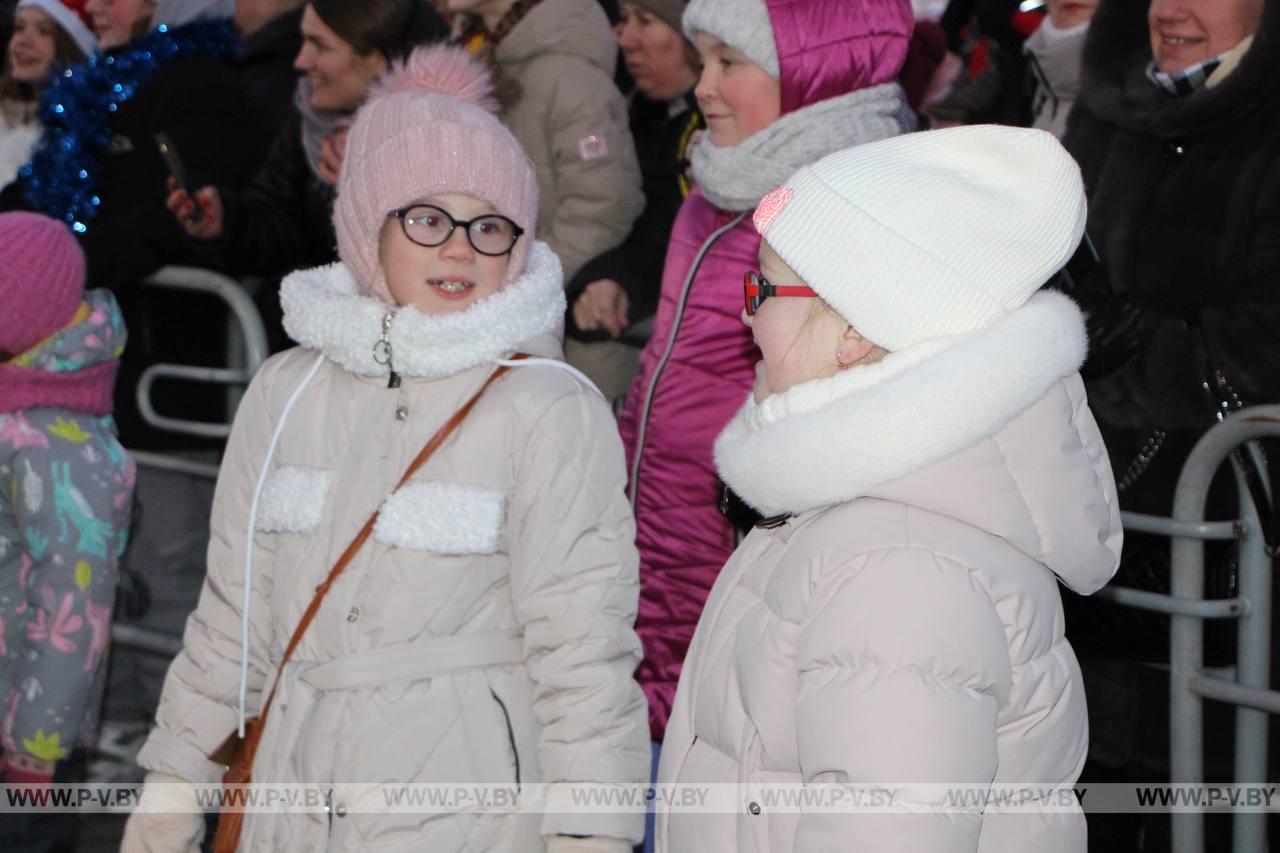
[481, 633]
[65, 494]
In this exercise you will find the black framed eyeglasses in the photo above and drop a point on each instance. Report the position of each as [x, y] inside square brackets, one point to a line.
[756, 289]
[430, 226]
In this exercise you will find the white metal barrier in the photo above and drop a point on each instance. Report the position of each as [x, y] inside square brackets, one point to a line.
[1189, 683]
[247, 350]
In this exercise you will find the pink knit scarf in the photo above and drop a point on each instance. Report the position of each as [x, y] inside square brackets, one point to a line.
[88, 390]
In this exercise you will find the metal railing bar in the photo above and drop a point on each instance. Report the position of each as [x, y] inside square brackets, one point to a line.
[1218, 608]
[1221, 690]
[1160, 525]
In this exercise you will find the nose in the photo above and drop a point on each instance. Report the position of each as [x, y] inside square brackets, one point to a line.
[708, 87]
[747, 319]
[627, 36]
[1167, 10]
[302, 62]
[457, 247]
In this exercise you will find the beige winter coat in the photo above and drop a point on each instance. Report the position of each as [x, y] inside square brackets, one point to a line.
[904, 628]
[572, 122]
[483, 634]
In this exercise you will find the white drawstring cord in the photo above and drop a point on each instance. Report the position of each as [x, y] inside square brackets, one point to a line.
[248, 540]
[567, 368]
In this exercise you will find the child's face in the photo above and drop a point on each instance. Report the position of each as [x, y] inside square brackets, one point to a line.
[32, 48]
[441, 279]
[737, 97]
[800, 337]
[796, 335]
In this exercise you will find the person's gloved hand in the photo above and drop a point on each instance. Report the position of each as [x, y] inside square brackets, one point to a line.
[587, 844]
[168, 818]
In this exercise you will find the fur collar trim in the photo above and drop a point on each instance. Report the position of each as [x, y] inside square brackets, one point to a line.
[832, 440]
[324, 310]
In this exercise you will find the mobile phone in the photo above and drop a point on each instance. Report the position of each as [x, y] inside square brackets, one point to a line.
[177, 171]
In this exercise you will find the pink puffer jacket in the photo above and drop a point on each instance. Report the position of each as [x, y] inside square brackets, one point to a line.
[698, 366]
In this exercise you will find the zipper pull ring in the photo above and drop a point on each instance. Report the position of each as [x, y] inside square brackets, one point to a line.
[382, 350]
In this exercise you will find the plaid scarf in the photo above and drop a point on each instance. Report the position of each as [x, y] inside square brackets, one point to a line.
[1189, 80]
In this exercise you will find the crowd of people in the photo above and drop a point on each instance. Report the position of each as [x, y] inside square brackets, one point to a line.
[708, 391]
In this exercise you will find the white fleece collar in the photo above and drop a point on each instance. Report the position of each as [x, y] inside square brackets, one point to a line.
[324, 310]
[832, 440]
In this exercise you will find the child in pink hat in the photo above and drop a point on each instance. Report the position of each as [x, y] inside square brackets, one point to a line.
[482, 633]
[65, 495]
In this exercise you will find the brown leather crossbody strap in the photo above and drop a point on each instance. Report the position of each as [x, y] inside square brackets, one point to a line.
[340, 566]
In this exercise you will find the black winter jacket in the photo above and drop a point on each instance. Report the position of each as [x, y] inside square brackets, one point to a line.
[267, 72]
[283, 219]
[1184, 207]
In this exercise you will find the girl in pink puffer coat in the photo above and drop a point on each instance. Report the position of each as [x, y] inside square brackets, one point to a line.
[918, 433]
[783, 84]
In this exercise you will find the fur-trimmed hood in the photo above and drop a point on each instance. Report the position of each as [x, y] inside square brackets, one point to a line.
[324, 311]
[1115, 86]
[990, 429]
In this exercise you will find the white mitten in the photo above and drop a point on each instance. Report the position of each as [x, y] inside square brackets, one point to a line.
[168, 818]
[590, 844]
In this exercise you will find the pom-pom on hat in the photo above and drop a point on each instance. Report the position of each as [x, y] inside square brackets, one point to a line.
[41, 279]
[429, 128]
[929, 234]
[71, 16]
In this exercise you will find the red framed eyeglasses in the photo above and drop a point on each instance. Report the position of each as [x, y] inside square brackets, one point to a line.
[756, 289]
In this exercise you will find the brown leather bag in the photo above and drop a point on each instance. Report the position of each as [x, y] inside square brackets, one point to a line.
[237, 753]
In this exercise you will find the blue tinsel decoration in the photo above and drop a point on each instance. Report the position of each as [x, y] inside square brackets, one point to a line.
[76, 107]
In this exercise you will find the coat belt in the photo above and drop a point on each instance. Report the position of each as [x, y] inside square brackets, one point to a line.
[418, 659]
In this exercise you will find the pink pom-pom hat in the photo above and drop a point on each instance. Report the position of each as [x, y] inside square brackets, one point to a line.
[429, 128]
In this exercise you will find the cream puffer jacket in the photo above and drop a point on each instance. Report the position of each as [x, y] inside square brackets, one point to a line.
[903, 629]
[483, 633]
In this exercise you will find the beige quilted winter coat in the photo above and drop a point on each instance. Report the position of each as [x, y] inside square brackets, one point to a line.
[483, 634]
[905, 625]
[573, 123]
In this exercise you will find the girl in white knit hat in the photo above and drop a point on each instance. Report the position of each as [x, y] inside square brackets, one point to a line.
[423, 449]
[919, 441]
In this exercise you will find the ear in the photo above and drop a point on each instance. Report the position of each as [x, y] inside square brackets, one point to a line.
[853, 347]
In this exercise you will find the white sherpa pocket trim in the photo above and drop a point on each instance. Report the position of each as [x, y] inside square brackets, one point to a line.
[293, 499]
[442, 518]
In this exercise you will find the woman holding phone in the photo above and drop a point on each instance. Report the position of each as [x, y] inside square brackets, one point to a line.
[283, 219]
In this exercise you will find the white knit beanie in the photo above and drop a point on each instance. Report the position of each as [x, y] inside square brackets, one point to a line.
[742, 24]
[929, 234]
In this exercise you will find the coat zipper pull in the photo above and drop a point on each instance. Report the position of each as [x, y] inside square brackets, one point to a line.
[382, 350]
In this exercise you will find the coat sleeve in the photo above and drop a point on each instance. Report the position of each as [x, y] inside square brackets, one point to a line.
[198, 707]
[575, 583]
[597, 175]
[72, 513]
[266, 223]
[902, 661]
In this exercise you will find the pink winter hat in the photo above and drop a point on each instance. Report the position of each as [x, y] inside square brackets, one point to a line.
[41, 279]
[429, 128]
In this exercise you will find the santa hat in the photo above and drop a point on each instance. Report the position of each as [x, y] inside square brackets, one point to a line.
[71, 17]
